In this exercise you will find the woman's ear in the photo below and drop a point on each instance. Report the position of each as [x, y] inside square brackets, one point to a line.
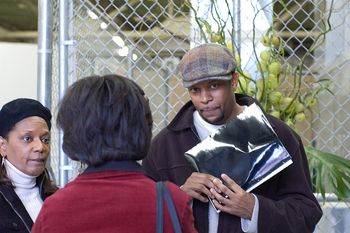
[3, 146]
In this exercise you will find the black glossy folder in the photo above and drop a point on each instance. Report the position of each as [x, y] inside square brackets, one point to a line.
[247, 149]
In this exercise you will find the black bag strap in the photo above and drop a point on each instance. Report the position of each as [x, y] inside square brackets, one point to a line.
[163, 190]
[159, 208]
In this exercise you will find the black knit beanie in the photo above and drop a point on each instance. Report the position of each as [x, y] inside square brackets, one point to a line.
[18, 109]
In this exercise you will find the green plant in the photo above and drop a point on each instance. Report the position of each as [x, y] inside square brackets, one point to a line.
[282, 89]
[331, 169]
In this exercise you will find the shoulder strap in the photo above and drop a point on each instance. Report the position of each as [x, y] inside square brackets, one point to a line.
[163, 190]
[159, 225]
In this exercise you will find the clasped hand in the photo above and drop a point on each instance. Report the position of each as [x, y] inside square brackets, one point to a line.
[227, 196]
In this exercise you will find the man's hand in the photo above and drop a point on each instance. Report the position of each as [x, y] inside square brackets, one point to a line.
[198, 186]
[231, 198]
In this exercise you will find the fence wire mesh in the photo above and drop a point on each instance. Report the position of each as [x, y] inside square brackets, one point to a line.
[144, 40]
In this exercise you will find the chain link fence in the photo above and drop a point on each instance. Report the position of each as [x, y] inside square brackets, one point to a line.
[144, 40]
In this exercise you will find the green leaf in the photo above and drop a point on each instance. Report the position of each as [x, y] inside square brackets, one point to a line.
[207, 26]
[332, 172]
[341, 187]
[319, 178]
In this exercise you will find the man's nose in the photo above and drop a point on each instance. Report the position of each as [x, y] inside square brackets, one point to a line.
[205, 96]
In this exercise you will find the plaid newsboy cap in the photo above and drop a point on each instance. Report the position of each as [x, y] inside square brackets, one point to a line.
[206, 62]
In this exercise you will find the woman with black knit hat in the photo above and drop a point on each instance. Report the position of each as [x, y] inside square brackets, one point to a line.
[24, 147]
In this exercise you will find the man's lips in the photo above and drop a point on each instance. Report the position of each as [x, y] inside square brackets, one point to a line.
[209, 111]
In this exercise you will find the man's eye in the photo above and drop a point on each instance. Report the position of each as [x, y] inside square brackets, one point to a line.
[214, 86]
[193, 90]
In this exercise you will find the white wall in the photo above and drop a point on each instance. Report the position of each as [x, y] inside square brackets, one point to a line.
[18, 71]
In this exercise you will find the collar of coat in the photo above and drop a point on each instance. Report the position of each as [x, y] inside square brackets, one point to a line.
[115, 166]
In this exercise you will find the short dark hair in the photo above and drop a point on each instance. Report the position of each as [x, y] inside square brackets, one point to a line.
[105, 118]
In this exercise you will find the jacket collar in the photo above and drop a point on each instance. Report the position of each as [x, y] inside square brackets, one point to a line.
[115, 166]
[183, 119]
[39, 182]
[10, 195]
[16, 204]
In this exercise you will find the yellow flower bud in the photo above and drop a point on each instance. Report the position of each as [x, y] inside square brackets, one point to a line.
[215, 37]
[272, 81]
[275, 68]
[275, 41]
[275, 97]
[299, 107]
[300, 117]
[265, 56]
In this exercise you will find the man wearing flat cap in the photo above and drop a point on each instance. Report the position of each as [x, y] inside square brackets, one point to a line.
[284, 203]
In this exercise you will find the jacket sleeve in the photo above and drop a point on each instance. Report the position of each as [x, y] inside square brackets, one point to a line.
[165, 159]
[149, 163]
[292, 208]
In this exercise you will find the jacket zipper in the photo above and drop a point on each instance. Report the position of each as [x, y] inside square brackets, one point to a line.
[15, 211]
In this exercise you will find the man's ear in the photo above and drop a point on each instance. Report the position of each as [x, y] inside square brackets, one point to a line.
[3, 146]
[234, 80]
